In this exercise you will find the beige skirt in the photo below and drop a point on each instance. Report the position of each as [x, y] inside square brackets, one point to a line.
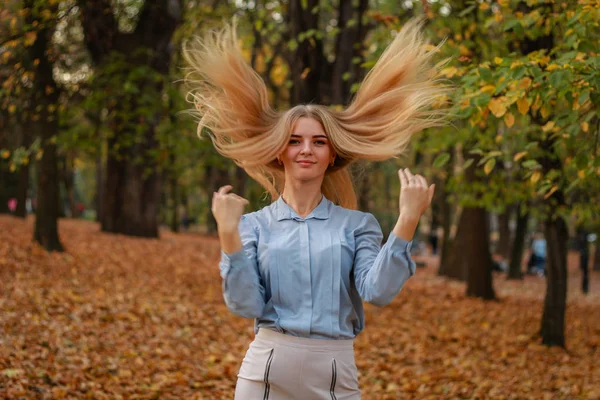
[283, 367]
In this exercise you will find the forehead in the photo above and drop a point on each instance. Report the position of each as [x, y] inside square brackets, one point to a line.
[308, 127]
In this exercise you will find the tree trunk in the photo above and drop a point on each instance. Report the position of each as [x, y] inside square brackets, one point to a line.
[45, 97]
[518, 246]
[349, 45]
[23, 185]
[98, 199]
[597, 255]
[504, 241]
[553, 318]
[470, 257]
[584, 258]
[307, 62]
[478, 257]
[175, 204]
[314, 78]
[68, 176]
[4, 164]
[131, 198]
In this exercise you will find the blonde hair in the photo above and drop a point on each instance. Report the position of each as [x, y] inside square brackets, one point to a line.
[393, 102]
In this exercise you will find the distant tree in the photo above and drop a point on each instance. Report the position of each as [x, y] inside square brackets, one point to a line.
[131, 59]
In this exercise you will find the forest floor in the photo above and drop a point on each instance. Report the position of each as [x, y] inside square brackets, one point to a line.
[116, 317]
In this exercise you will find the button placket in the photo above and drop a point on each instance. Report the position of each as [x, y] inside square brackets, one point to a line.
[305, 254]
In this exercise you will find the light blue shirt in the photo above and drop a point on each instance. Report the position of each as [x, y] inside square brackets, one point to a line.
[307, 277]
[539, 247]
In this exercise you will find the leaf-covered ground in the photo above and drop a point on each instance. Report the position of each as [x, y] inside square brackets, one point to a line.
[124, 318]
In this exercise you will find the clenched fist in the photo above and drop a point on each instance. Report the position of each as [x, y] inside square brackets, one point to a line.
[227, 208]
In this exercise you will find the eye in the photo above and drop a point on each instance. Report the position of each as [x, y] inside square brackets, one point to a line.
[293, 141]
[321, 142]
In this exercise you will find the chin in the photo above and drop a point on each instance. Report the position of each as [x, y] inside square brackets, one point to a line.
[307, 177]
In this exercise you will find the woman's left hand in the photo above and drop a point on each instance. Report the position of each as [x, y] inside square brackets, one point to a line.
[415, 194]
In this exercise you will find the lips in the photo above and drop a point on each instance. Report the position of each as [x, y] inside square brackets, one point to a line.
[305, 162]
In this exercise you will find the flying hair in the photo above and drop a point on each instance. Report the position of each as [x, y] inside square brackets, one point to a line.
[394, 101]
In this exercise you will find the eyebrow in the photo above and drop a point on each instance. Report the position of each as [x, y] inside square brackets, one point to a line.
[314, 136]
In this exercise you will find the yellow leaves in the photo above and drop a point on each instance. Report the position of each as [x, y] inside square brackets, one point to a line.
[484, 6]
[305, 73]
[504, 3]
[552, 67]
[488, 89]
[536, 103]
[464, 50]
[545, 112]
[498, 17]
[548, 127]
[5, 154]
[451, 344]
[509, 119]
[580, 57]
[449, 72]
[12, 372]
[498, 60]
[525, 83]
[581, 174]
[523, 105]
[489, 166]
[584, 126]
[519, 155]
[12, 108]
[515, 64]
[535, 177]
[552, 190]
[497, 106]
[430, 47]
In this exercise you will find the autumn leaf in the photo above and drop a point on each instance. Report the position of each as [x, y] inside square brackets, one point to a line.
[584, 126]
[523, 105]
[489, 166]
[519, 155]
[548, 127]
[509, 119]
[497, 106]
[525, 83]
[449, 72]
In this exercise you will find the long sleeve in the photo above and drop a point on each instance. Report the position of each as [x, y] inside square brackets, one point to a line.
[380, 272]
[243, 290]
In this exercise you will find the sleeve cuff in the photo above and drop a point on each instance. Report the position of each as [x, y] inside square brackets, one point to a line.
[399, 244]
[228, 261]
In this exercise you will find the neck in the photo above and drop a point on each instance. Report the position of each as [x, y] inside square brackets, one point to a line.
[302, 197]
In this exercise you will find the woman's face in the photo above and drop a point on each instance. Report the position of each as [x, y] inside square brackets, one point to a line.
[308, 153]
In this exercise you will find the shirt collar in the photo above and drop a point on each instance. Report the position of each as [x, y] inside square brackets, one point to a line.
[284, 211]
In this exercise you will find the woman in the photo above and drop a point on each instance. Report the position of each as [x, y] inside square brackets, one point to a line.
[302, 266]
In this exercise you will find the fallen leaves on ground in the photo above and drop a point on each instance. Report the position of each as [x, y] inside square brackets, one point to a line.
[116, 317]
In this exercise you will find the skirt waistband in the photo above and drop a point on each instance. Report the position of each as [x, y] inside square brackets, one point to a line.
[294, 341]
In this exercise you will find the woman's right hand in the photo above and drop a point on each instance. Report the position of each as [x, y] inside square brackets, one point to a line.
[227, 208]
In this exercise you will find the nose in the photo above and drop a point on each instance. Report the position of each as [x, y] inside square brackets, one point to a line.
[306, 147]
